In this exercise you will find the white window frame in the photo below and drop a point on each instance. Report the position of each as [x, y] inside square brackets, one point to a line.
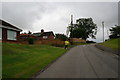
[45, 37]
[11, 35]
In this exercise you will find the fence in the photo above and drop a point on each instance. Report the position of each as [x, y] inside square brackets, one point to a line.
[48, 42]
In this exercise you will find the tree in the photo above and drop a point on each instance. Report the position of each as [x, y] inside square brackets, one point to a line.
[29, 32]
[84, 28]
[30, 40]
[61, 37]
[115, 32]
[76, 33]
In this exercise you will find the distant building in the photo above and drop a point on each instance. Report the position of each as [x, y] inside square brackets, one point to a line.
[44, 35]
[9, 32]
[25, 36]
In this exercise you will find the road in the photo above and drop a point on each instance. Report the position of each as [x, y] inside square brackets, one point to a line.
[85, 61]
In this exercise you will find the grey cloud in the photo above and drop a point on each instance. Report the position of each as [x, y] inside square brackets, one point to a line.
[56, 16]
[22, 14]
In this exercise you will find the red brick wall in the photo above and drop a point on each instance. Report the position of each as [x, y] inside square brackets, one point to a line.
[4, 36]
[18, 36]
[51, 37]
[48, 42]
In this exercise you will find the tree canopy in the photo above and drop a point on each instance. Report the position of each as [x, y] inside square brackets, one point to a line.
[84, 28]
[115, 32]
[61, 37]
[29, 32]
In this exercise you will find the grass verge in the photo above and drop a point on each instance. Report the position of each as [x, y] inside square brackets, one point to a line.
[112, 43]
[23, 61]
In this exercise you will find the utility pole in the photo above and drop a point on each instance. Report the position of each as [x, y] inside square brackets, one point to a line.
[70, 26]
[103, 29]
[71, 20]
[108, 34]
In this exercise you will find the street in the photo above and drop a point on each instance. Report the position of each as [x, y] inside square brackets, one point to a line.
[84, 61]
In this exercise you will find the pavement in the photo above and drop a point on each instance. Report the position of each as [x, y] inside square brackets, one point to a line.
[84, 61]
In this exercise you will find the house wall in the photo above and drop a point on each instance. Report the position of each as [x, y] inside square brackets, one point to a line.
[51, 37]
[4, 36]
[18, 36]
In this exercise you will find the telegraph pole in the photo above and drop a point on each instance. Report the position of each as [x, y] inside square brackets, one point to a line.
[70, 26]
[108, 34]
[103, 29]
[71, 19]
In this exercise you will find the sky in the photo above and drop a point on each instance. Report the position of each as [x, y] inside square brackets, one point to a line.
[55, 16]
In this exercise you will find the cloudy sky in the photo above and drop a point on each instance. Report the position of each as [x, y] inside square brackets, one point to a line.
[55, 16]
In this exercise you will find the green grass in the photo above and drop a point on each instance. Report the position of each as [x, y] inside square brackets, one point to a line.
[112, 43]
[23, 61]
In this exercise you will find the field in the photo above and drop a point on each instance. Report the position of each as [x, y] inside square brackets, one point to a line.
[23, 61]
[112, 43]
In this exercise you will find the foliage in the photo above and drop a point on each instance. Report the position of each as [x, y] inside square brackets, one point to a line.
[30, 40]
[23, 61]
[84, 28]
[61, 37]
[76, 33]
[58, 45]
[115, 32]
[29, 32]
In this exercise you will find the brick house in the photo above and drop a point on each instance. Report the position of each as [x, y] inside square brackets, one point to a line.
[25, 36]
[44, 35]
[9, 32]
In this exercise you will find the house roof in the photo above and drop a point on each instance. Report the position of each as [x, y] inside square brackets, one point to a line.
[44, 33]
[27, 35]
[8, 25]
[47, 33]
[24, 34]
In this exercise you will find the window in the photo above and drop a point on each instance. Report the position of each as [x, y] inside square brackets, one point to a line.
[45, 37]
[11, 35]
[0, 33]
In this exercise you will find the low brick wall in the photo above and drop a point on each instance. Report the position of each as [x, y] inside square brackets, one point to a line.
[77, 40]
[107, 49]
[48, 42]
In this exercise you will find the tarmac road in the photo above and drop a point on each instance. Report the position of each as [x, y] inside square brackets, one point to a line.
[85, 61]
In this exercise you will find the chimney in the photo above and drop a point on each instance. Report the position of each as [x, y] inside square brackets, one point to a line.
[42, 30]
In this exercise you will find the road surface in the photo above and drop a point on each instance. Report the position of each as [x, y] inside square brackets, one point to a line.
[85, 61]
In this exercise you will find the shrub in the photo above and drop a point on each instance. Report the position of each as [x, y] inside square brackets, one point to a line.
[58, 45]
[61, 37]
[31, 41]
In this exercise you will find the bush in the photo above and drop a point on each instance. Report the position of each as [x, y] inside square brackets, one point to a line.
[58, 45]
[31, 41]
[61, 37]
[114, 36]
